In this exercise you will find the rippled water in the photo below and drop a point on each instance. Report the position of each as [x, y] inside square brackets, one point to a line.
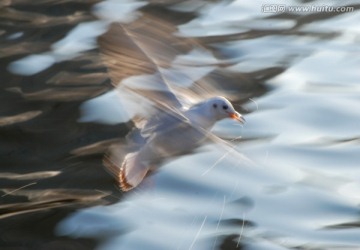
[295, 76]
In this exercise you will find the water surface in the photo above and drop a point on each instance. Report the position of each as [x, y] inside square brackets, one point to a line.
[294, 76]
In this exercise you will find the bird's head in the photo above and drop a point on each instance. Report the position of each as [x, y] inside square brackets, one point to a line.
[221, 108]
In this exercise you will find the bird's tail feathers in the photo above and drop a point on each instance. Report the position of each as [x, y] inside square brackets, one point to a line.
[132, 171]
[125, 166]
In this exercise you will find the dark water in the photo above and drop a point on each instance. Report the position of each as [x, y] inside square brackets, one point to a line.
[294, 75]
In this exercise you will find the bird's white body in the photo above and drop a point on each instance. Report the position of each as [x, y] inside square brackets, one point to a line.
[173, 135]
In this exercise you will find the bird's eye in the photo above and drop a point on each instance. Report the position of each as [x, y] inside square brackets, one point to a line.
[225, 107]
[215, 105]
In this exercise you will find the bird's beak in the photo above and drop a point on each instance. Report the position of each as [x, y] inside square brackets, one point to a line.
[237, 116]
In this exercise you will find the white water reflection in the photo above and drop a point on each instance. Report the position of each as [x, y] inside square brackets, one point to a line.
[180, 208]
[80, 39]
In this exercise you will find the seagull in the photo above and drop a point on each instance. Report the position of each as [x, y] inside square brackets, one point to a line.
[169, 120]
[168, 135]
[165, 129]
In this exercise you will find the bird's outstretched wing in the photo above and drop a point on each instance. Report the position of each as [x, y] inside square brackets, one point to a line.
[151, 66]
[147, 58]
[137, 52]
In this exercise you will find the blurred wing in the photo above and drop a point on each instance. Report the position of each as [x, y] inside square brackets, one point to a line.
[148, 46]
[139, 58]
[133, 54]
[154, 71]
